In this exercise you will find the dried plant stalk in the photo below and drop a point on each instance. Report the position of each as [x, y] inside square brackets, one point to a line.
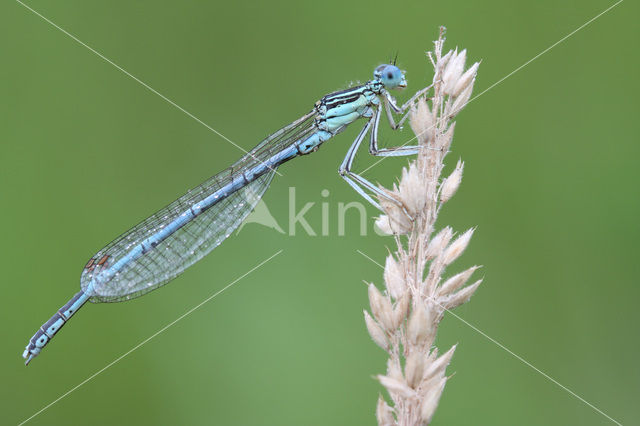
[404, 319]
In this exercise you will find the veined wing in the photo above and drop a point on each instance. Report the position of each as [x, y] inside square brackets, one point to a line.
[181, 249]
[195, 239]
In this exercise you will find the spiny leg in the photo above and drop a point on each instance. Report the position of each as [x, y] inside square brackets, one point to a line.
[356, 181]
[387, 152]
[390, 106]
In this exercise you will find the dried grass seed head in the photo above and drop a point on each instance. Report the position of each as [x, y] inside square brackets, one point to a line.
[384, 413]
[460, 297]
[453, 71]
[414, 368]
[399, 222]
[430, 400]
[456, 282]
[451, 184]
[422, 326]
[457, 247]
[438, 244]
[401, 309]
[394, 277]
[421, 121]
[466, 80]
[395, 386]
[412, 190]
[437, 367]
[381, 308]
[376, 332]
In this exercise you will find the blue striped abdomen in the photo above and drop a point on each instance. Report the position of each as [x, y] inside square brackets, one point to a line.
[46, 332]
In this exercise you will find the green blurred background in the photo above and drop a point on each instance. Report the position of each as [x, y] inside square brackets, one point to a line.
[550, 181]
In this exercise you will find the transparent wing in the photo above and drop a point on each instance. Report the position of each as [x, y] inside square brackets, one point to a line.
[180, 250]
[198, 237]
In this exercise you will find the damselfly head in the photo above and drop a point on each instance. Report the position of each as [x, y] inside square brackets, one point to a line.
[390, 76]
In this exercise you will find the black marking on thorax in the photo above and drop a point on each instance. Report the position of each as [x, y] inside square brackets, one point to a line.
[342, 97]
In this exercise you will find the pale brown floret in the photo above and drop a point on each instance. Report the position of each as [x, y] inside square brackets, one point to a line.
[394, 277]
[376, 332]
[384, 413]
[450, 185]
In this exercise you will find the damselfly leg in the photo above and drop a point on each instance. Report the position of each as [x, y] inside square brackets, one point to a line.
[355, 180]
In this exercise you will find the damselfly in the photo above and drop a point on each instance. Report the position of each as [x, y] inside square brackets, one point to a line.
[161, 247]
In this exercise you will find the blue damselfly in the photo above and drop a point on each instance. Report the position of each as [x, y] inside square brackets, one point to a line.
[162, 246]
